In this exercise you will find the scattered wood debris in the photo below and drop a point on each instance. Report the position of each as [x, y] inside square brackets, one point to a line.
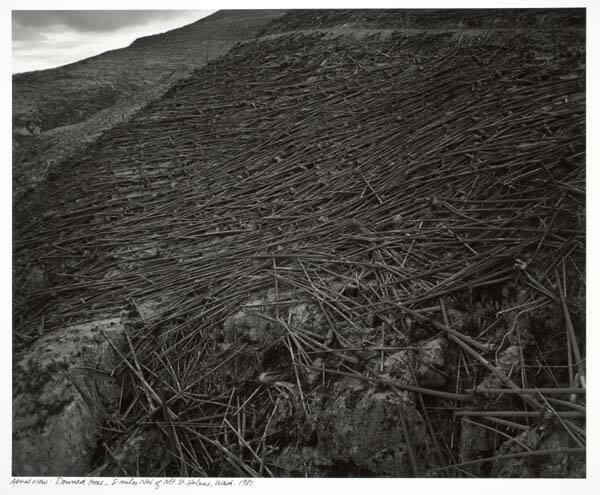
[309, 209]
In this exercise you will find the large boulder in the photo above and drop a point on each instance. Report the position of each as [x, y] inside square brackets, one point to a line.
[361, 428]
[545, 437]
[62, 386]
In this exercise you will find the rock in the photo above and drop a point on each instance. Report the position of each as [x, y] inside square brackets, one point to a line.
[427, 363]
[431, 363]
[152, 308]
[399, 364]
[508, 362]
[124, 459]
[474, 440]
[56, 402]
[362, 430]
[307, 316]
[558, 465]
[349, 384]
[247, 324]
[246, 327]
[299, 462]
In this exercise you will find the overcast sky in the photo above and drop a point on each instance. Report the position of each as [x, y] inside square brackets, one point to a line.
[49, 38]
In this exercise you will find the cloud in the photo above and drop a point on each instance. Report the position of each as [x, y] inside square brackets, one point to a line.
[88, 20]
[26, 33]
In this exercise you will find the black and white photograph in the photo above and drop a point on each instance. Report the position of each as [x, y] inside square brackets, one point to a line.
[298, 242]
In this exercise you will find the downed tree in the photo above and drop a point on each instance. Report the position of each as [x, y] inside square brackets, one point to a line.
[340, 255]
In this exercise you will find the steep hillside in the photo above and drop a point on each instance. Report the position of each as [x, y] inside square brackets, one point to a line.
[57, 111]
[335, 251]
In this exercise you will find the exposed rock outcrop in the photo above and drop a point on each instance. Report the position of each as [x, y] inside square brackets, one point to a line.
[363, 428]
[553, 465]
[62, 386]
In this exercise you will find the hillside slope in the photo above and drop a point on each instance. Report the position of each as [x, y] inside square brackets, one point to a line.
[339, 251]
[430, 19]
[57, 111]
